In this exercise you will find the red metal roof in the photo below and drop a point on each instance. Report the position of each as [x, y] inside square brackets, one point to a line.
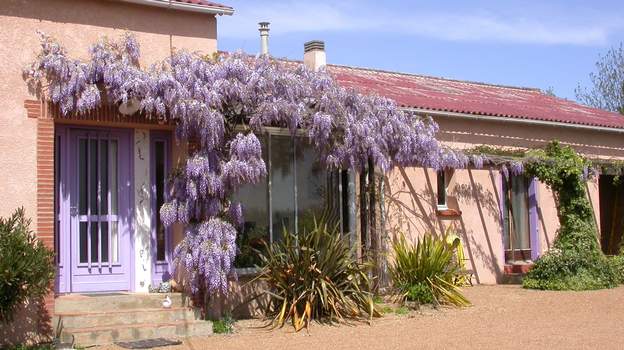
[205, 3]
[439, 94]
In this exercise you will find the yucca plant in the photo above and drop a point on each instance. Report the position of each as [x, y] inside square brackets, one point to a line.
[314, 276]
[430, 263]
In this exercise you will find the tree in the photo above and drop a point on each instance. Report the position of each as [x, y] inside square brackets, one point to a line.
[607, 91]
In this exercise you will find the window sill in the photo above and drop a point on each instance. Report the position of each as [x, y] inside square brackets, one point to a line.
[448, 213]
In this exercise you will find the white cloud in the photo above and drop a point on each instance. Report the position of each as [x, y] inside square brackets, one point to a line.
[318, 16]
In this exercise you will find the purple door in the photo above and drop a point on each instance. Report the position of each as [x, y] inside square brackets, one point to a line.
[98, 178]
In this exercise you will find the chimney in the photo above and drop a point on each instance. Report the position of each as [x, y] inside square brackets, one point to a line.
[314, 54]
[264, 37]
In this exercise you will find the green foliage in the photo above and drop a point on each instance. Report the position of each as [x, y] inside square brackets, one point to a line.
[617, 263]
[430, 263]
[576, 261]
[224, 325]
[402, 311]
[26, 265]
[421, 293]
[497, 151]
[313, 276]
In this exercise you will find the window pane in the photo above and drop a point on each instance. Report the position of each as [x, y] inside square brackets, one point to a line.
[94, 241]
[255, 211]
[441, 180]
[282, 185]
[93, 176]
[83, 242]
[113, 176]
[103, 177]
[159, 178]
[104, 249]
[314, 200]
[82, 176]
[114, 238]
[520, 207]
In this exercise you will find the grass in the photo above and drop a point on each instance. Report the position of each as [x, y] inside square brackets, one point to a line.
[402, 310]
[31, 347]
[224, 325]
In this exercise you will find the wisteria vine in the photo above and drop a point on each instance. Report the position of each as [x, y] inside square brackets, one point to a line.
[220, 104]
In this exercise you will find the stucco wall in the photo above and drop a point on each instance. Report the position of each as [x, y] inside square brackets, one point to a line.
[77, 24]
[411, 202]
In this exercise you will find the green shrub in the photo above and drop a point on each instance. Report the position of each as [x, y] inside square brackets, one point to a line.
[430, 264]
[576, 261]
[225, 325]
[26, 265]
[313, 276]
[617, 263]
[402, 311]
[421, 293]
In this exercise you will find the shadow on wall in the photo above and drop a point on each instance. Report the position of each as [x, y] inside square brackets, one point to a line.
[411, 210]
[240, 302]
[31, 325]
[115, 15]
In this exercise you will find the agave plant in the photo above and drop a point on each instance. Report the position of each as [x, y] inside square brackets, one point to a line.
[314, 276]
[430, 263]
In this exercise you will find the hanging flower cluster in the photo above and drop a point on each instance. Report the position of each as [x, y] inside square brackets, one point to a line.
[221, 104]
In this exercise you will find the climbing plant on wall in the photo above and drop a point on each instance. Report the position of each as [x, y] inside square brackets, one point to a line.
[221, 103]
[576, 261]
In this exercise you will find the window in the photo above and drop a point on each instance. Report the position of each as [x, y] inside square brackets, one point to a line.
[297, 190]
[516, 219]
[441, 191]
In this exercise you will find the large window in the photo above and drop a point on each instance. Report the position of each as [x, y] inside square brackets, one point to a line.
[516, 219]
[297, 190]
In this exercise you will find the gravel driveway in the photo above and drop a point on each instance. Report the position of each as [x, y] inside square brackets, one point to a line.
[503, 317]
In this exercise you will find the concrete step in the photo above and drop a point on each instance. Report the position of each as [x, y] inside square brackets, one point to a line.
[89, 336]
[125, 317]
[84, 303]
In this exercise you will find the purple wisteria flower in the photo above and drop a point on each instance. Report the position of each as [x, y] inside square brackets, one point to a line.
[220, 106]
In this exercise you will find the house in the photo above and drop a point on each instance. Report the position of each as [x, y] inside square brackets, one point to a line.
[93, 183]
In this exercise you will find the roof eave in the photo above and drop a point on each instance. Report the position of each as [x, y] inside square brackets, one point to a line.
[214, 10]
[436, 113]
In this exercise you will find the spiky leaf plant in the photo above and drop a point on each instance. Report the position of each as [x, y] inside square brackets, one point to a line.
[314, 276]
[431, 262]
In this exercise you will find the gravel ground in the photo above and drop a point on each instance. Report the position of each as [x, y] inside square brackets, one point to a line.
[503, 317]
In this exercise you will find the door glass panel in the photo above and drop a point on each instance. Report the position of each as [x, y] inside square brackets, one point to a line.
[255, 230]
[93, 176]
[104, 249]
[520, 206]
[94, 241]
[82, 242]
[113, 176]
[103, 177]
[82, 176]
[313, 199]
[114, 242]
[159, 178]
[282, 185]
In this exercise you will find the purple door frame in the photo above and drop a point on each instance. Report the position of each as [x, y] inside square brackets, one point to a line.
[95, 274]
[161, 269]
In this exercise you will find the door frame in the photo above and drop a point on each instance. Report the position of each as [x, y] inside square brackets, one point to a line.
[63, 200]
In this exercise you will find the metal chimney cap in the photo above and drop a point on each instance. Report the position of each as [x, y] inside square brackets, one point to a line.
[264, 26]
[314, 45]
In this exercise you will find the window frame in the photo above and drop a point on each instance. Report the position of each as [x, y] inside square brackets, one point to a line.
[342, 176]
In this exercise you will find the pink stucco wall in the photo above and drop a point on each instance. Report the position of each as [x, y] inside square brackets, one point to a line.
[76, 24]
[411, 202]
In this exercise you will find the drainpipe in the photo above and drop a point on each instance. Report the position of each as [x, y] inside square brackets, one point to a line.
[264, 37]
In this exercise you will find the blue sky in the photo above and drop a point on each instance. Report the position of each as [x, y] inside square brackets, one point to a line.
[523, 43]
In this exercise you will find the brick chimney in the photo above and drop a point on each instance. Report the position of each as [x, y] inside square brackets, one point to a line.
[314, 54]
